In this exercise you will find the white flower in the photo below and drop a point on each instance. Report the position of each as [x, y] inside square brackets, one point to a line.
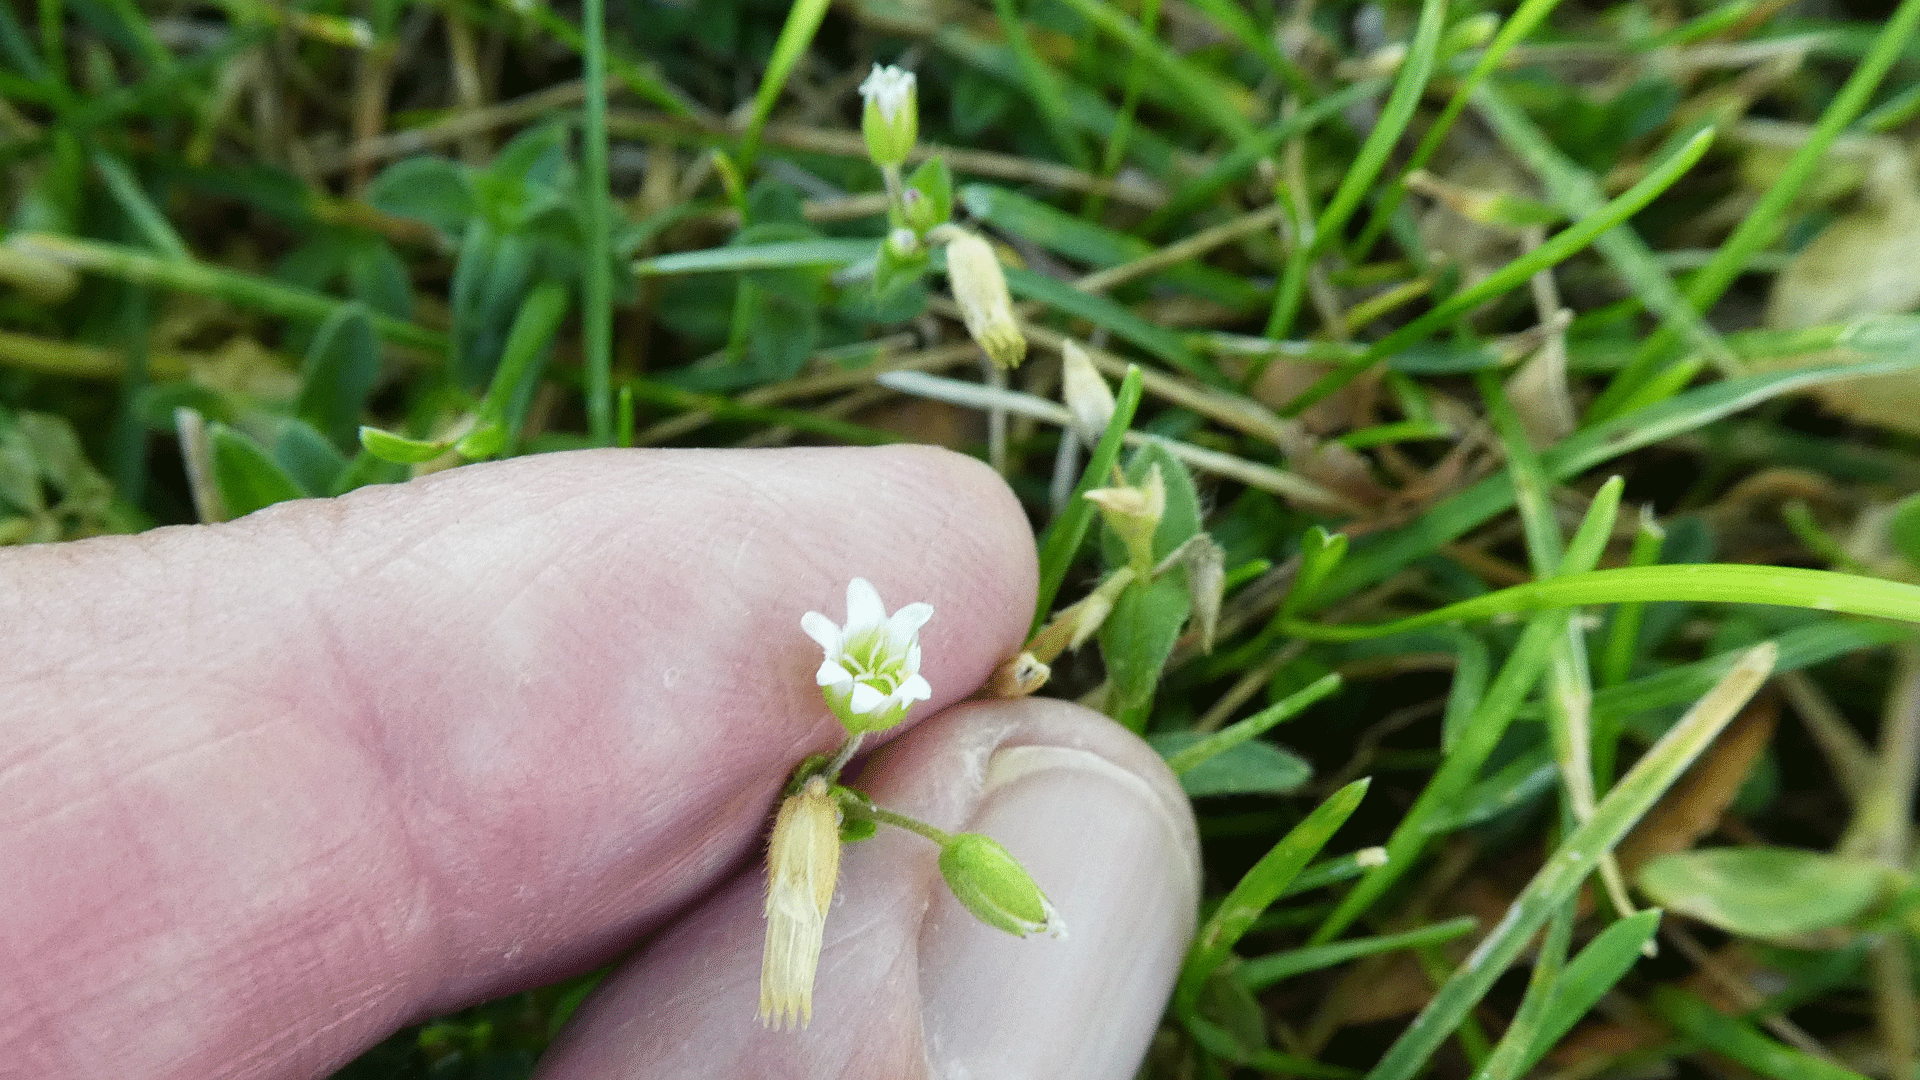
[803, 863]
[890, 120]
[871, 674]
[890, 89]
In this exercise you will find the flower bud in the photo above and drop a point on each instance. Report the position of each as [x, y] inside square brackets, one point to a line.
[1206, 566]
[1133, 512]
[1071, 627]
[803, 862]
[1086, 393]
[996, 888]
[1017, 677]
[980, 289]
[891, 119]
[904, 243]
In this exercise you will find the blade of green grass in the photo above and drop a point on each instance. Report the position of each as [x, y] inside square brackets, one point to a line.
[134, 203]
[1893, 339]
[1478, 737]
[1198, 89]
[1767, 220]
[1243, 158]
[1802, 646]
[1261, 972]
[724, 408]
[596, 316]
[1408, 88]
[1042, 87]
[1154, 339]
[1260, 887]
[1061, 542]
[1253, 726]
[1581, 985]
[642, 82]
[803, 21]
[209, 280]
[1569, 681]
[1714, 583]
[1576, 192]
[1738, 1040]
[783, 255]
[1522, 22]
[1562, 245]
[1568, 867]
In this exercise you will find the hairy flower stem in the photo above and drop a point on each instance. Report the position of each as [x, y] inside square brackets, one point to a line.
[896, 190]
[840, 758]
[854, 808]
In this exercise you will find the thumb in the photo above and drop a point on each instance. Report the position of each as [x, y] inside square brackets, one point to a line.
[910, 984]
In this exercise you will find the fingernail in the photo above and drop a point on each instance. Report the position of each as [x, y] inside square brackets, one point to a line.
[1118, 862]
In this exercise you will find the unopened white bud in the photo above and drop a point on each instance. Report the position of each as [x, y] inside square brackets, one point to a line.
[1087, 395]
[891, 119]
[980, 289]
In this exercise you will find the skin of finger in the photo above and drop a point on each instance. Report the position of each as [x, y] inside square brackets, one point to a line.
[685, 1008]
[271, 789]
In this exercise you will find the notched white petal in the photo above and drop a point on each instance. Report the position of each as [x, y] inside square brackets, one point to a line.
[831, 674]
[866, 699]
[864, 608]
[824, 631]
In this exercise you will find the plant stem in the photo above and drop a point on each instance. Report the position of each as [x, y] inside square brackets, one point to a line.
[857, 809]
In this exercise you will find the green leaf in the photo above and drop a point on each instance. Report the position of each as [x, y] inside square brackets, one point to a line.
[306, 455]
[490, 281]
[1766, 892]
[1147, 617]
[1903, 529]
[1248, 768]
[1739, 1040]
[1062, 540]
[339, 370]
[246, 477]
[398, 449]
[776, 256]
[426, 188]
[1266, 882]
[934, 181]
[377, 277]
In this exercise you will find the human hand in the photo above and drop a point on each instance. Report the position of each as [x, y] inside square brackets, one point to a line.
[272, 789]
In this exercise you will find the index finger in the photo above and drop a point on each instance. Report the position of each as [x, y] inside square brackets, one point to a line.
[271, 789]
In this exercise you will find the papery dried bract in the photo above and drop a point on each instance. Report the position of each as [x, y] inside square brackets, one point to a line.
[803, 863]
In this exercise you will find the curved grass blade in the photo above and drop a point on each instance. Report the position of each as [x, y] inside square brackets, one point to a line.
[1063, 537]
[1262, 885]
[1713, 583]
[1415, 72]
[1570, 865]
[1562, 245]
